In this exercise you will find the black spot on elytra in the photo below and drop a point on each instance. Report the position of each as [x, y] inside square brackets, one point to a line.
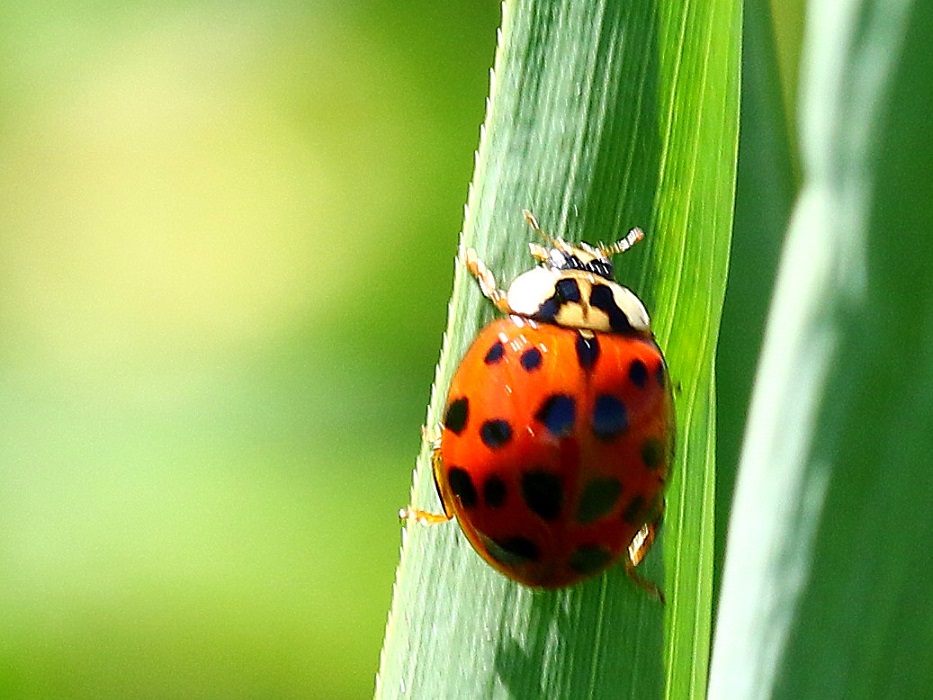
[495, 353]
[610, 419]
[638, 373]
[589, 559]
[495, 433]
[635, 511]
[587, 350]
[567, 290]
[531, 359]
[557, 413]
[461, 483]
[512, 551]
[652, 453]
[598, 500]
[543, 493]
[602, 299]
[458, 412]
[494, 492]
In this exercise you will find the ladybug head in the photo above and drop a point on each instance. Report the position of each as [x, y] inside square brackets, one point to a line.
[561, 255]
[574, 287]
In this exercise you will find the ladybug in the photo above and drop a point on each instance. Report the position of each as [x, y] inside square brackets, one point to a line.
[558, 431]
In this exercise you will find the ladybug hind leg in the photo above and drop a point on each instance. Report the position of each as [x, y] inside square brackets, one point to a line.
[637, 551]
[423, 517]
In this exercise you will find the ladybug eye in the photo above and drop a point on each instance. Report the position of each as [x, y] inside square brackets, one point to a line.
[561, 260]
[603, 268]
[557, 259]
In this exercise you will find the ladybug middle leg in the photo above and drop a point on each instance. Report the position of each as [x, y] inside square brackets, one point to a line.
[424, 517]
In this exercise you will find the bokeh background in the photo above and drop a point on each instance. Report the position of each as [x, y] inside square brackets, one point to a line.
[226, 241]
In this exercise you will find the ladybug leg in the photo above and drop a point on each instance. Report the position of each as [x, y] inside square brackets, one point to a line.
[637, 550]
[421, 516]
[487, 281]
[433, 438]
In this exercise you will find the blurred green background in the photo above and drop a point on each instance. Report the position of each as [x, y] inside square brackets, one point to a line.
[226, 241]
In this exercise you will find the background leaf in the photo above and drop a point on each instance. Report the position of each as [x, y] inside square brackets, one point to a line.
[224, 237]
[824, 577]
[603, 115]
[765, 191]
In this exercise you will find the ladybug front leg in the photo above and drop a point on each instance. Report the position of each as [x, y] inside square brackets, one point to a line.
[487, 281]
[637, 551]
[421, 516]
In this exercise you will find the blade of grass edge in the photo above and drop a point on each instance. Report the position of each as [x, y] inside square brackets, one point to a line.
[602, 115]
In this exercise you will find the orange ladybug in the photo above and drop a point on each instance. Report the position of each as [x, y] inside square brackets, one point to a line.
[558, 432]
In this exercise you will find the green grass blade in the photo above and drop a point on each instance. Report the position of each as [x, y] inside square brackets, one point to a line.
[828, 568]
[603, 115]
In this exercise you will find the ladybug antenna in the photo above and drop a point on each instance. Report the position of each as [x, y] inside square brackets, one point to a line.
[607, 251]
[620, 246]
[533, 222]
